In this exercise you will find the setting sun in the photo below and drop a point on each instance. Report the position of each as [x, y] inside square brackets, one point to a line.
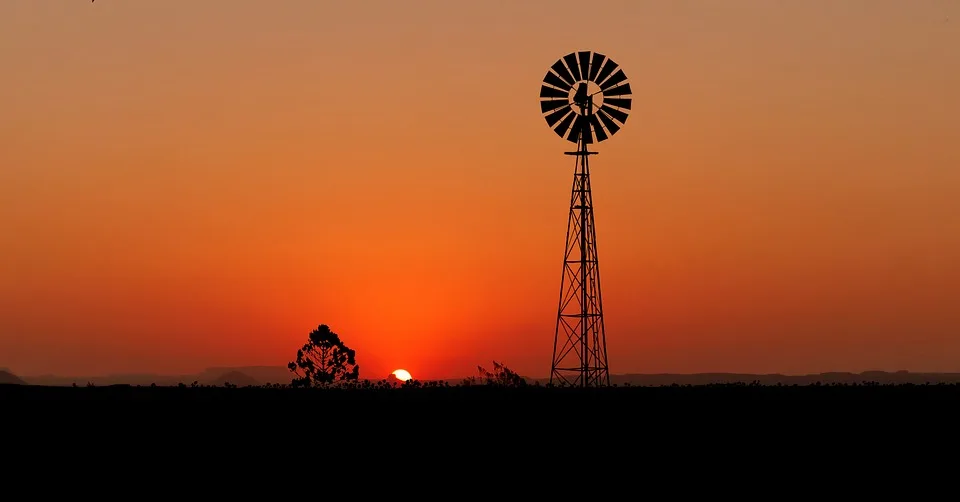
[402, 375]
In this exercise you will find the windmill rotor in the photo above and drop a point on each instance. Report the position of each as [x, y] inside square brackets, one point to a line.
[585, 93]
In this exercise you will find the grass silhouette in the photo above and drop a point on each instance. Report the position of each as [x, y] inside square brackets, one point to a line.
[439, 392]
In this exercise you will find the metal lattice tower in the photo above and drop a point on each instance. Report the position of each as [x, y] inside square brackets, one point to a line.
[585, 99]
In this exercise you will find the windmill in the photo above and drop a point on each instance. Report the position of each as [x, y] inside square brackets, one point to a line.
[585, 99]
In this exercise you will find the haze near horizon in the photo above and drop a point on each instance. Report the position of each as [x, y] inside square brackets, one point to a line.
[197, 184]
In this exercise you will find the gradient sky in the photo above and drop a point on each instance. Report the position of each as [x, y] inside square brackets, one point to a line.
[186, 184]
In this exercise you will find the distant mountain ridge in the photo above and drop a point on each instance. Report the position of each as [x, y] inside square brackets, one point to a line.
[235, 378]
[259, 375]
[7, 377]
[241, 376]
[884, 377]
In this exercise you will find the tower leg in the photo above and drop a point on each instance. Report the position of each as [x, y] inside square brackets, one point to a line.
[579, 344]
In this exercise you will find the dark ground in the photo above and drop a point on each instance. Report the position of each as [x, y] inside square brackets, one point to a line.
[479, 422]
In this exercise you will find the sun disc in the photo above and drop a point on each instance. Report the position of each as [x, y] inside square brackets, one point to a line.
[402, 375]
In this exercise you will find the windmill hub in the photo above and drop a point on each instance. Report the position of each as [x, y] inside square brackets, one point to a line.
[584, 93]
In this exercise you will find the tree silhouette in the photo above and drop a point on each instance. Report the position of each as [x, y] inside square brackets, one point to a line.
[324, 360]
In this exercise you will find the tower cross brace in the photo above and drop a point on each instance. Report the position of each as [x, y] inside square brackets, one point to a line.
[579, 344]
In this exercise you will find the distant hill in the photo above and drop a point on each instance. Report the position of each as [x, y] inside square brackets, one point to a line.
[259, 375]
[883, 377]
[262, 374]
[128, 379]
[234, 378]
[9, 378]
[658, 379]
[251, 375]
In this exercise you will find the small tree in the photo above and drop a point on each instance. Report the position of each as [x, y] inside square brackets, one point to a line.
[324, 360]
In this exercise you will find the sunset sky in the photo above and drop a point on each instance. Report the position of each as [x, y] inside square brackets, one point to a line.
[197, 183]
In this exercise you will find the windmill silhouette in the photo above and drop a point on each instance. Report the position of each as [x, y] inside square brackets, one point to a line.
[585, 99]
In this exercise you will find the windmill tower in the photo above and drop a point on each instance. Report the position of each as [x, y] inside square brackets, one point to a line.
[585, 99]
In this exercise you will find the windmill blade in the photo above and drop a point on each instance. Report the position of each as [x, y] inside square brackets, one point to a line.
[587, 133]
[587, 136]
[608, 122]
[606, 70]
[552, 104]
[580, 126]
[564, 124]
[552, 79]
[597, 128]
[613, 112]
[584, 57]
[618, 102]
[614, 80]
[571, 60]
[549, 92]
[563, 72]
[595, 66]
[620, 90]
[555, 117]
[574, 133]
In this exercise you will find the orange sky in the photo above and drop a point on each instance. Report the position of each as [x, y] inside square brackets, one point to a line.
[187, 184]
